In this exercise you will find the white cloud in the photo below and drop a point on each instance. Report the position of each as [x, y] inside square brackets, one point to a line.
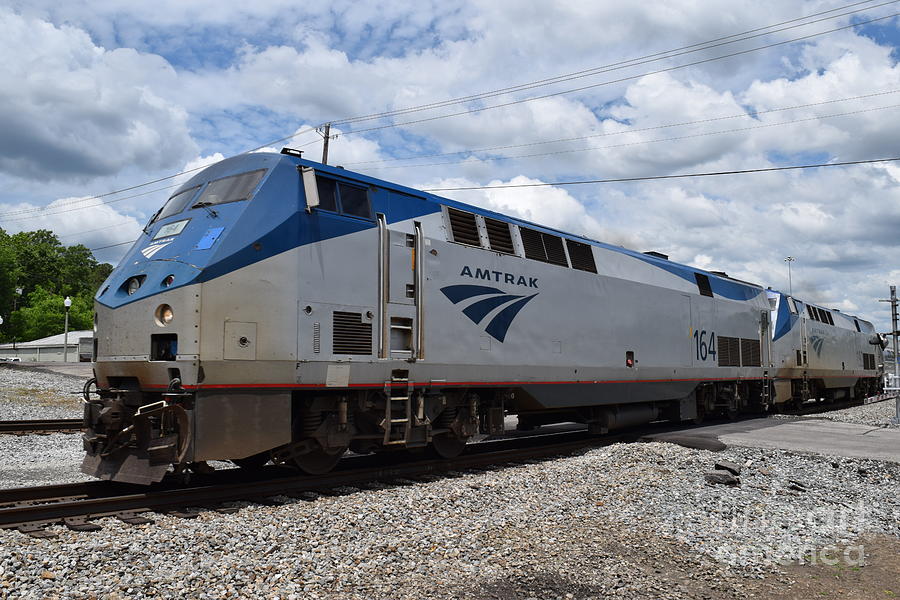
[96, 226]
[195, 164]
[73, 109]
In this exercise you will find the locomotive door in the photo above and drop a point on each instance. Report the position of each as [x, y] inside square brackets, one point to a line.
[400, 276]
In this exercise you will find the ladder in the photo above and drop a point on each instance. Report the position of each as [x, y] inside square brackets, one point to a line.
[398, 413]
[804, 341]
[766, 396]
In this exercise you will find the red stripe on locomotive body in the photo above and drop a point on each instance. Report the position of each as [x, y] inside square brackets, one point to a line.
[427, 384]
[382, 385]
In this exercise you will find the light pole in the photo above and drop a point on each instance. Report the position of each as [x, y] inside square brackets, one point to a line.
[789, 260]
[68, 304]
[16, 298]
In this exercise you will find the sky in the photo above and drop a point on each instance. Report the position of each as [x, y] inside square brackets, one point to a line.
[98, 97]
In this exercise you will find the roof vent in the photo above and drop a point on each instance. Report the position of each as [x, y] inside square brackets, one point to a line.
[657, 254]
[292, 152]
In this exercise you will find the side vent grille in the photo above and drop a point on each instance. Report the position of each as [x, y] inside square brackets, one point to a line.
[351, 335]
[317, 337]
[869, 362]
[556, 254]
[499, 235]
[463, 227]
[543, 247]
[729, 351]
[582, 256]
[750, 353]
[703, 285]
[534, 245]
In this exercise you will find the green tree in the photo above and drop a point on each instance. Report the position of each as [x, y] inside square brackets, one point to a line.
[36, 259]
[45, 314]
[47, 271]
[7, 278]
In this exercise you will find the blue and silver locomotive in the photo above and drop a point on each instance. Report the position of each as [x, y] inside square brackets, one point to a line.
[278, 309]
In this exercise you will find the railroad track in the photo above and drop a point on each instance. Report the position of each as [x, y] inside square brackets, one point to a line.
[31, 509]
[41, 425]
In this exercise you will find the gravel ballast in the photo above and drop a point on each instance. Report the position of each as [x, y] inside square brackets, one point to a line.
[876, 414]
[32, 394]
[31, 460]
[551, 526]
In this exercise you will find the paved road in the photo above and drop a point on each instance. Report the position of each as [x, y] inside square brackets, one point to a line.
[818, 436]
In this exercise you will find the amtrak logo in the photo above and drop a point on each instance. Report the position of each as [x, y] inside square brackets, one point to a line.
[478, 310]
[152, 249]
[817, 343]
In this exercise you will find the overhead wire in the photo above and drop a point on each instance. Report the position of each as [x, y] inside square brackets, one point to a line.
[590, 148]
[112, 245]
[59, 212]
[95, 229]
[642, 142]
[661, 177]
[749, 114]
[709, 44]
[612, 81]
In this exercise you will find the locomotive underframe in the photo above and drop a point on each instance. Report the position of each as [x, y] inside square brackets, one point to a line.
[136, 435]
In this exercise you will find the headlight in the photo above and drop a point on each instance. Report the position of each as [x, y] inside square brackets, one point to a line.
[169, 280]
[133, 285]
[164, 315]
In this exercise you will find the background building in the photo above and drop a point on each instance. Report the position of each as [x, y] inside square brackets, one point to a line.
[51, 349]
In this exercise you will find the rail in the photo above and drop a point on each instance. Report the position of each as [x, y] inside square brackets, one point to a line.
[41, 425]
[29, 509]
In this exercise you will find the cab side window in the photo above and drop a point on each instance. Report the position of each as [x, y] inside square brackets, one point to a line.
[327, 194]
[337, 196]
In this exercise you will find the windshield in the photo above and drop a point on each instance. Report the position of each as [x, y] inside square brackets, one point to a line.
[177, 203]
[230, 189]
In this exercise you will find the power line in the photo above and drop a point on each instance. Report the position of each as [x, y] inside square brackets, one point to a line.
[578, 138]
[96, 229]
[621, 132]
[642, 142]
[59, 212]
[89, 198]
[540, 83]
[657, 177]
[112, 245]
[620, 80]
[703, 134]
[709, 44]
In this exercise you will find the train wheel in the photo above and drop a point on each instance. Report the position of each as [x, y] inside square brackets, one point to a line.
[319, 462]
[448, 446]
[253, 462]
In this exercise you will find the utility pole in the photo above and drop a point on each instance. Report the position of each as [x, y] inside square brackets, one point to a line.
[895, 384]
[325, 132]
